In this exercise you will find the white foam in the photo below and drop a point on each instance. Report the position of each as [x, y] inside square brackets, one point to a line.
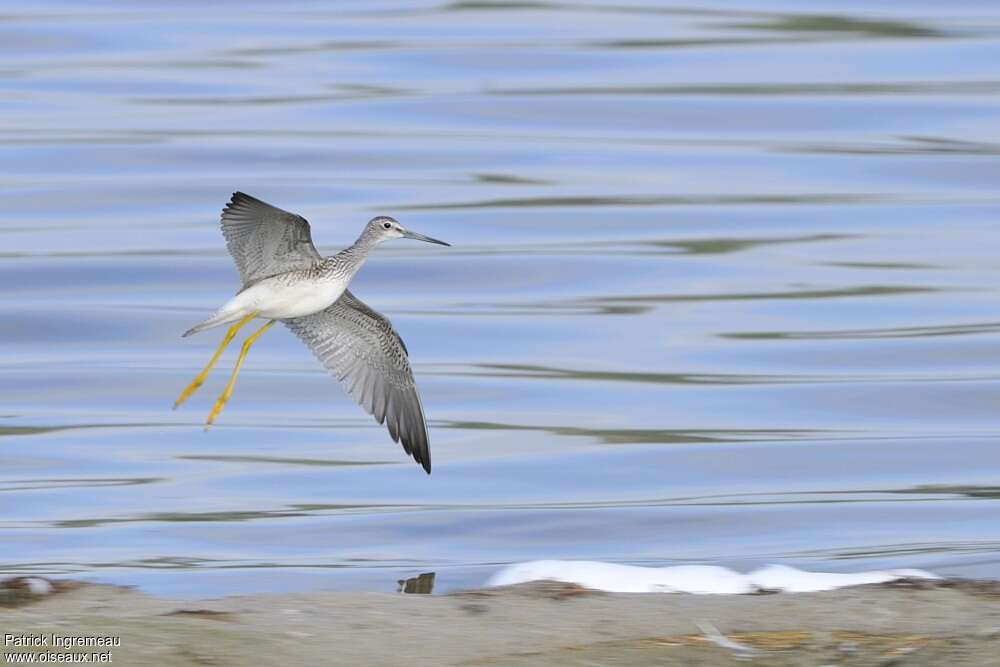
[791, 580]
[699, 579]
[38, 586]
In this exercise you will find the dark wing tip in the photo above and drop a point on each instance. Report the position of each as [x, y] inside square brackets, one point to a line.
[341, 337]
[424, 459]
[240, 200]
[419, 438]
[415, 443]
[405, 420]
[237, 201]
[242, 206]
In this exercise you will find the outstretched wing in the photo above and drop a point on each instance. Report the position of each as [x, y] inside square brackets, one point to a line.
[265, 240]
[359, 346]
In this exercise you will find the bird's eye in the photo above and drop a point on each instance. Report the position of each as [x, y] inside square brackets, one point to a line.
[387, 225]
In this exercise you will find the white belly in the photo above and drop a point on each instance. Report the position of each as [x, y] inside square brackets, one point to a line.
[275, 299]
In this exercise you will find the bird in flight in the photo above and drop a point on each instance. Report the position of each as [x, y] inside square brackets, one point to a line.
[286, 279]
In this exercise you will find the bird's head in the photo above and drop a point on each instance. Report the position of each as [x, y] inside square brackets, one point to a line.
[384, 228]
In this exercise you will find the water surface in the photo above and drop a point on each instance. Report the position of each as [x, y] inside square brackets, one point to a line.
[722, 290]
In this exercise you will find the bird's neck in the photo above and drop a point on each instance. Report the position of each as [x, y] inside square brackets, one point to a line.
[349, 261]
[365, 243]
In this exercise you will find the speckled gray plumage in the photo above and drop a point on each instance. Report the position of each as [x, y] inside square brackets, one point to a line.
[354, 342]
[265, 240]
[359, 347]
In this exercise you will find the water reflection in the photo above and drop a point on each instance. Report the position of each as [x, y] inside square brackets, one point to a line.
[74, 483]
[642, 200]
[639, 304]
[546, 373]
[279, 460]
[861, 334]
[422, 584]
[788, 89]
[834, 23]
[624, 436]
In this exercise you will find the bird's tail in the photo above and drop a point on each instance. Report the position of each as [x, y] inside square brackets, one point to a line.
[217, 320]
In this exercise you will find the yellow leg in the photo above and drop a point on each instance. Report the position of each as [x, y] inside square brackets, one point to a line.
[197, 382]
[236, 371]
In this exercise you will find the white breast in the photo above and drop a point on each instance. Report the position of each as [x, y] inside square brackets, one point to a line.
[278, 299]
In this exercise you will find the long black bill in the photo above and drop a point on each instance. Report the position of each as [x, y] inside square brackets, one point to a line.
[420, 237]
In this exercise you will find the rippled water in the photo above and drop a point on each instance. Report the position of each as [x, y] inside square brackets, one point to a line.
[723, 287]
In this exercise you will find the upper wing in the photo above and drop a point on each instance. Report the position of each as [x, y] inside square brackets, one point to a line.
[264, 240]
[360, 347]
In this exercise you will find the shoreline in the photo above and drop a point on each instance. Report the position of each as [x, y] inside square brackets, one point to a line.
[910, 622]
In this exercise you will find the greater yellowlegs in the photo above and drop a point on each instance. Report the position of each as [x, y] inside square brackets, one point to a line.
[285, 278]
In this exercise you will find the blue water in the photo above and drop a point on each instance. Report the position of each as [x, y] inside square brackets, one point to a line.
[724, 287]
